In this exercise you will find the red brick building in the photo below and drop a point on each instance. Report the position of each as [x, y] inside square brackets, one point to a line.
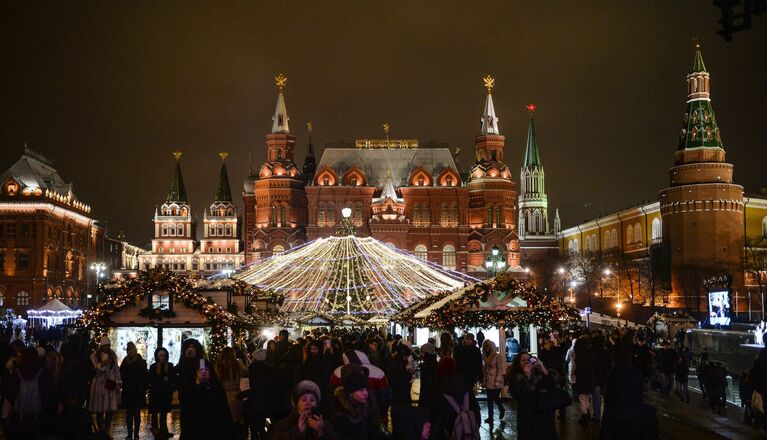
[412, 196]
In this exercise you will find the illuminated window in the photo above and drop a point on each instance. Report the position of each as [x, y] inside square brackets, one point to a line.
[629, 234]
[211, 231]
[764, 228]
[220, 230]
[420, 181]
[278, 249]
[449, 181]
[657, 232]
[326, 181]
[219, 250]
[354, 181]
[180, 230]
[22, 298]
[164, 230]
[161, 300]
[448, 256]
[421, 252]
[228, 230]
[638, 233]
[172, 250]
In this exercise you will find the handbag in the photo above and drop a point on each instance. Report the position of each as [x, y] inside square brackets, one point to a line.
[110, 385]
[552, 399]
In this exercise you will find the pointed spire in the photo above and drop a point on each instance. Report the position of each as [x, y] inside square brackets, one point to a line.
[557, 222]
[697, 62]
[489, 119]
[310, 163]
[223, 193]
[532, 155]
[280, 118]
[389, 192]
[177, 191]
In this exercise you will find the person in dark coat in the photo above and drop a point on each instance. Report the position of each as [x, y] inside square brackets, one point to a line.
[400, 376]
[304, 421]
[354, 410]
[317, 368]
[553, 357]
[134, 376]
[585, 375]
[642, 358]
[468, 360]
[204, 410]
[681, 374]
[287, 375]
[528, 378]
[666, 363]
[450, 383]
[758, 378]
[260, 397]
[161, 383]
[428, 392]
[626, 416]
[602, 367]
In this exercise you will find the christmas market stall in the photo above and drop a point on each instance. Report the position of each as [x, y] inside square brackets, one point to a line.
[666, 325]
[162, 308]
[349, 279]
[53, 313]
[494, 305]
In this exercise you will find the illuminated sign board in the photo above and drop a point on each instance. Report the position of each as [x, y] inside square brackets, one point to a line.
[386, 143]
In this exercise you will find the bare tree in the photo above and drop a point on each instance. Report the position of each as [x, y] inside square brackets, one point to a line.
[755, 267]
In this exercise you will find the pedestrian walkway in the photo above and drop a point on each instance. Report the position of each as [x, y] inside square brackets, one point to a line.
[676, 421]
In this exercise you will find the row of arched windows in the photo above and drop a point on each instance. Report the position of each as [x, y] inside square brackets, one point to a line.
[220, 230]
[176, 230]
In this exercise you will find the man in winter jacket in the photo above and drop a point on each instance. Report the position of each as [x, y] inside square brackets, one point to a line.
[468, 361]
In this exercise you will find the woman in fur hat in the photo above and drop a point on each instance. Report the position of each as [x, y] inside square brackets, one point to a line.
[304, 421]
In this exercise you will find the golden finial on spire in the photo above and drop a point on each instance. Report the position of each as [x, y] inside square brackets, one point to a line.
[223, 155]
[280, 80]
[177, 155]
[489, 83]
[309, 127]
[696, 42]
[386, 128]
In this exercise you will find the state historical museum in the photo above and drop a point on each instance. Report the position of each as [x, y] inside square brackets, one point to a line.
[411, 196]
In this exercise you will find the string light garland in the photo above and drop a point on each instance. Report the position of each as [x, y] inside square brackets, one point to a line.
[358, 276]
[132, 292]
[471, 309]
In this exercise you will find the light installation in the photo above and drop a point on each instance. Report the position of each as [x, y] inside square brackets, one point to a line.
[350, 275]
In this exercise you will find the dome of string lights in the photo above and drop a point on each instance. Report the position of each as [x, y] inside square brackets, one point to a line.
[350, 275]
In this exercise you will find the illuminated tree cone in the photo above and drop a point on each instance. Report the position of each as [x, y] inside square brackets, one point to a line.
[354, 275]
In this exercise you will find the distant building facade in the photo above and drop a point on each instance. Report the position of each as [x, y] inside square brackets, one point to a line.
[48, 238]
[175, 246]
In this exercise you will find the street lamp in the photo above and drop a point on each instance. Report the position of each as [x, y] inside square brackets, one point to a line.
[495, 264]
[618, 307]
[98, 269]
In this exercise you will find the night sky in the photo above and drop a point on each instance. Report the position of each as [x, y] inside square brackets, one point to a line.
[109, 89]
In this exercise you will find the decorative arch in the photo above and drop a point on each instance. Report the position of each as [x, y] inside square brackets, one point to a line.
[448, 256]
[629, 234]
[448, 178]
[326, 176]
[764, 228]
[421, 252]
[420, 177]
[354, 177]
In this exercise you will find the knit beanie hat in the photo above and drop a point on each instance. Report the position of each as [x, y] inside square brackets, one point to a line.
[354, 378]
[305, 387]
[428, 348]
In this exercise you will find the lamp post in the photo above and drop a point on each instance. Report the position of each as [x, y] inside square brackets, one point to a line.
[618, 307]
[98, 268]
[495, 264]
[563, 280]
[605, 274]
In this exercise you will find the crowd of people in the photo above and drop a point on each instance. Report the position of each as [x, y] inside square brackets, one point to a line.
[350, 384]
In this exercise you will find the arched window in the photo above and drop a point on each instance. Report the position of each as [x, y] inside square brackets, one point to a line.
[629, 234]
[180, 230]
[764, 228]
[164, 230]
[331, 214]
[614, 236]
[211, 230]
[220, 230]
[657, 232]
[448, 256]
[357, 215]
[2, 298]
[490, 216]
[421, 252]
[537, 221]
[608, 242]
[638, 233]
[278, 249]
[228, 230]
[320, 214]
[283, 216]
[22, 298]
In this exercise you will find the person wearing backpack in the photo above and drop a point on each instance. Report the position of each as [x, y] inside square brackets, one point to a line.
[528, 379]
[105, 388]
[28, 382]
[456, 412]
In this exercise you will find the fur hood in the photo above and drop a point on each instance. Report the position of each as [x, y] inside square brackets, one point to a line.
[356, 412]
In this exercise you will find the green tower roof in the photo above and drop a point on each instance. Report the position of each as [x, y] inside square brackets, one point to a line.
[177, 192]
[697, 62]
[532, 155]
[223, 193]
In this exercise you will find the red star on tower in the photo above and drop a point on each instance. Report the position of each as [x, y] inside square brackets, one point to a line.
[531, 108]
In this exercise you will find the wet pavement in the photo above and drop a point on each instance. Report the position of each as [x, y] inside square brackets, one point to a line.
[677, 421]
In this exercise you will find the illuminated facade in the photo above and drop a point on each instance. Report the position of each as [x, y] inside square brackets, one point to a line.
[175, 246]
[47, 237]
[409, 195]
[701, 226]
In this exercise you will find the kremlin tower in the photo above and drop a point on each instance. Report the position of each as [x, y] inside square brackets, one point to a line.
[702, 209]
[220, 246]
